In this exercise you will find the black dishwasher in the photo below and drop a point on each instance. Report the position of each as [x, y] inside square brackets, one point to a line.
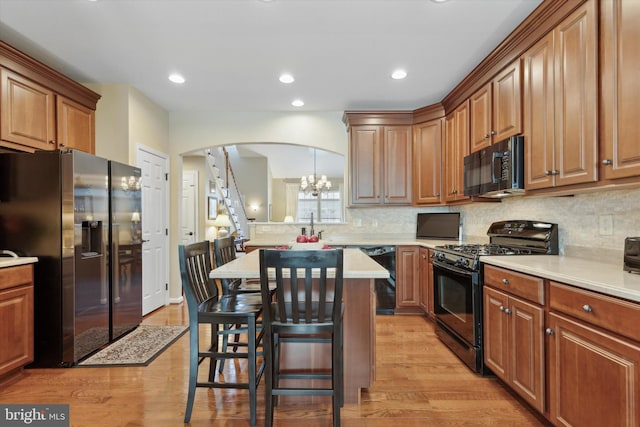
[385, 288]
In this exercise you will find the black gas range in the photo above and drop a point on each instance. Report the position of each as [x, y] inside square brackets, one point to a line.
[457, 278]
[516, 237]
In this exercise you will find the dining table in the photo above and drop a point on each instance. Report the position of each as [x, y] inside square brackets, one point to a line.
[359, 326]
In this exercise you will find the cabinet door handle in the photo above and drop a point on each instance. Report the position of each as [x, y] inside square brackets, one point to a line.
[52, 142]
[486, 136]
[502, 308]
[587, 308]
[607, 162]
[555, 172]
[507, 311]
[548, 331]
[505, 281]
[493, 132]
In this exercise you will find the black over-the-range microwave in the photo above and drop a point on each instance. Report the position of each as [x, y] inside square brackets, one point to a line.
[496, 171]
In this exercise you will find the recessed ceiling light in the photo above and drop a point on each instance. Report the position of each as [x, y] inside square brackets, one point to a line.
[439, 1]
[399, 74]
[176, 78]
[287, 78]
[297, 103]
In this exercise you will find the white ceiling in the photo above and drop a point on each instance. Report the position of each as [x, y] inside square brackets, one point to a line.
[231, 52]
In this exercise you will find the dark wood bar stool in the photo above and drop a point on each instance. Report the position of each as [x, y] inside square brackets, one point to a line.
[306, 309]
[206, 306]
[224, 252]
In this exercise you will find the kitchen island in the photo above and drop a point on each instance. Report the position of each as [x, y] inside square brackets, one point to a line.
[359, 274]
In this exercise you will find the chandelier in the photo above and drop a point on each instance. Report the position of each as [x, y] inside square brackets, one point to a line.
[311, 184]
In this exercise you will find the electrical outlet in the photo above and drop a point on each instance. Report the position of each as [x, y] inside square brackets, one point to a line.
[606, 225]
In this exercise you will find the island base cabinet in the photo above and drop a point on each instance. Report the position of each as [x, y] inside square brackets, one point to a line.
[594, 376]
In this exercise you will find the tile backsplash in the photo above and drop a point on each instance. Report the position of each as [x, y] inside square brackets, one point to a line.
[599, 220]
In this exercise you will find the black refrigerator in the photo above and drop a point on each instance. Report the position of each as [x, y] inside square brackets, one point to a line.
[55, 205]
[125, 242]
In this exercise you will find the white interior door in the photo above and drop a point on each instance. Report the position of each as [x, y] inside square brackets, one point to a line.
[155, 266]
[188, 230]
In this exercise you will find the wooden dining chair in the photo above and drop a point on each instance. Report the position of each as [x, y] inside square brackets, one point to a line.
[206, 306]
[307, 308]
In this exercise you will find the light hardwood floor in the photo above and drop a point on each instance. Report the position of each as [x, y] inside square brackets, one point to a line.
[419, 383]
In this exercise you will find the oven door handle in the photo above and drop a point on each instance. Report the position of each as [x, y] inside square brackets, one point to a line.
[450, 267]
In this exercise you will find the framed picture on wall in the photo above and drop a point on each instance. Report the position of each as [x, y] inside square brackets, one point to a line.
[213, 208]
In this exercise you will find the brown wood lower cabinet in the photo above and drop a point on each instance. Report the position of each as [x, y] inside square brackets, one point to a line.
[408, 279]
[16, 319]
[426, 282]
[594, 358]
[580, 346]
[513, 344]
[594, 377]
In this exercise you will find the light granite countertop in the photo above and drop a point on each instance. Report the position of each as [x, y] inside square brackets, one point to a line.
[357, 265]
[11, 261]
[357, 241]
[605, 277]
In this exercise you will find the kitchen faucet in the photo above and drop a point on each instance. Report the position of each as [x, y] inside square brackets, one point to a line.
[311, 225]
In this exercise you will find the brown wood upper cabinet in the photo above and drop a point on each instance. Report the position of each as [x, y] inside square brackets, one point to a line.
[560, 103]
[75, 125]
[427, 158]
[42, 109]
[381, 165]
[456, 146]
[620, 102]
[496, 109]
[36, 118]
[28, 113]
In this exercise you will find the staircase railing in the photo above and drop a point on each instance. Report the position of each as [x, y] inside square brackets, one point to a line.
[232, 198]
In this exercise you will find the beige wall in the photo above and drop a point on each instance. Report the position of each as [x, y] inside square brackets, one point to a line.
[126, 117]
[148, 124]
[112, 122]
